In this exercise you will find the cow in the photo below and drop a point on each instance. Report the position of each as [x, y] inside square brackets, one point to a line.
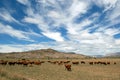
[108, 62]
[95, 62]
[60, 63]
[2, 62]
[114, 63]
[76, 63]
[91, 63]
[104, 63]
[11, 63]
[66, 62]
[25, 63]
[19, 62]
[68, 67]
[82, 62]
[37, 62]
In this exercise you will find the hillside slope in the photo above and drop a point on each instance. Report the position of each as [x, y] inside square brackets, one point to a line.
[43, 53]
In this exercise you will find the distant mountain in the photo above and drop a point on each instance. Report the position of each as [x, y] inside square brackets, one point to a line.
[117, 54]
[43, 53]
[98, 56]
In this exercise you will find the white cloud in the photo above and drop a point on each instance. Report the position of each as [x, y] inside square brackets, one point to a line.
[85, 22]
[77, 28]
[74, 28]
[54, 14]
[6, 29]
[37, 19]
[86, 35]
[117, 41]
[111, 7]
[111, 31]
[115, 12]
[24, 2]
[78, 8]
[107, 4]
[5, 15]
[9, 48]
[71, 29]
[31, 20]
[80, 40]
[95, 43]
[58, 16]
[54, 35]
[67, 46]
[44, 27]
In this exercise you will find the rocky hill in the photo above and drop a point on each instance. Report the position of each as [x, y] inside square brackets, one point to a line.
[43, 53]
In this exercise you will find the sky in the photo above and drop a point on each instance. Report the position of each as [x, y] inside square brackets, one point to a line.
[90, 27]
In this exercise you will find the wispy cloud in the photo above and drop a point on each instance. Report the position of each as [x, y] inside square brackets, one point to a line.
[68, 46]
[7, 29]
[31, 20]
[89, 25]
[24, 2]
[9, 48]
[75, 31]
[78, 8]
[5, 15]
[115, 12]
[54, 35]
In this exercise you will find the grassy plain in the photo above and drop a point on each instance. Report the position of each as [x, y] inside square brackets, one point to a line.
[47, 71]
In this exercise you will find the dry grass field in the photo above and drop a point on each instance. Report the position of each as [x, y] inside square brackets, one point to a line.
[48, 71]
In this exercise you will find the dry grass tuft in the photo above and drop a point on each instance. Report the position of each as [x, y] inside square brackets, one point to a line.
[5, 75]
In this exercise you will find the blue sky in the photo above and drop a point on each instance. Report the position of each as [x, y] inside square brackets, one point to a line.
[90, 27]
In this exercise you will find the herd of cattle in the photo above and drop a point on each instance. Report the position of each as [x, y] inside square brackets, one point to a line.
[67, 64]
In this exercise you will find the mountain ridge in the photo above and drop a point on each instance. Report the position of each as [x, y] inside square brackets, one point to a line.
[42, 53]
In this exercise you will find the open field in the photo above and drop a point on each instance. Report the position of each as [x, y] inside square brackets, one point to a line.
[51, 71]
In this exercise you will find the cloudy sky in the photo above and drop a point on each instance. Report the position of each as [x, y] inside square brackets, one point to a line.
[87, 27]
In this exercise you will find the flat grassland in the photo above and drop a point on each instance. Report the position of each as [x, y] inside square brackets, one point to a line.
[48, 71]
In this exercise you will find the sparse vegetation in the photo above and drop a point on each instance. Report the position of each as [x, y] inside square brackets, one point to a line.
[6, 75]
[43, 53]
[48, 71]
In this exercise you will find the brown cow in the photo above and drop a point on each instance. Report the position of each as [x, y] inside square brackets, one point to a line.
[25, 63]
[76, 63]
[68, 67]
[11, 63]
[66, 62]
[114, 63]
[91, 63]
[2, 62]
[108, 62]
[37, 62]
[19, 62]
[82, 62]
